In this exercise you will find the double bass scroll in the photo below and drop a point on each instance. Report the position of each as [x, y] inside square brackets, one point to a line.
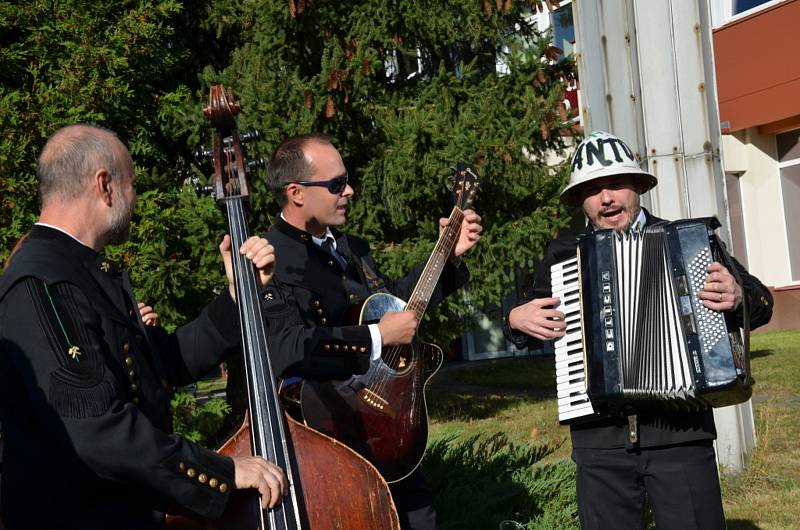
[330, 485]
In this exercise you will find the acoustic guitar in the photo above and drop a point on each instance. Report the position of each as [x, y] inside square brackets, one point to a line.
[382, 414]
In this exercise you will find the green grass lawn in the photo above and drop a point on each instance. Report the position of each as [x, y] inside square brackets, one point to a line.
[515, 397]
[497, 453]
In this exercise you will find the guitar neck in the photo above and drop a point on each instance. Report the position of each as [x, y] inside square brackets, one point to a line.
[419, 299]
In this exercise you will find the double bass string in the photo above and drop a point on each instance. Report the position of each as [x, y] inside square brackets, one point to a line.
[269, 435]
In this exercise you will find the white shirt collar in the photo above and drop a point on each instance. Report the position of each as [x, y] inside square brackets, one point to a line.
[320, 240]
[640, 221]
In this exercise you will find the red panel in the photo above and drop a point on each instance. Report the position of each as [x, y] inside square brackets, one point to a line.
[757, 61]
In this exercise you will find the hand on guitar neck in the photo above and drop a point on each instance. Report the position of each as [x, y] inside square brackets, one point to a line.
[398, 327]
[469, 234]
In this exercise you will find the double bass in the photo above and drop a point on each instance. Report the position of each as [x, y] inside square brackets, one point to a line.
[330, 485]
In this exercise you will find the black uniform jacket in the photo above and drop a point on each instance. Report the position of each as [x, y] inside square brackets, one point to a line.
[314, 337]
[85, 396]
[654, 429]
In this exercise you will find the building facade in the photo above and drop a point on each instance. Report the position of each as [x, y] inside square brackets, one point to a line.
[758, 83]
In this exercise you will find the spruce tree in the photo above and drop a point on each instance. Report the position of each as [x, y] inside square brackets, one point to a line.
[406, 89]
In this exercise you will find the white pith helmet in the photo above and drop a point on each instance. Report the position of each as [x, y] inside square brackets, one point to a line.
[601, 155]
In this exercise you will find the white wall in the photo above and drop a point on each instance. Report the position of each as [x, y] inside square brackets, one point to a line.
[754, 157]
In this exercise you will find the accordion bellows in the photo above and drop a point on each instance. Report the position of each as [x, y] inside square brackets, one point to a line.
[637, 335]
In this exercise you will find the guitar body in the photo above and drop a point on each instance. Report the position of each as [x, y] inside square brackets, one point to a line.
[381, 414]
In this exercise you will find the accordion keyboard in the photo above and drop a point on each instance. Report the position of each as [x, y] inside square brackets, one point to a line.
[573, 402]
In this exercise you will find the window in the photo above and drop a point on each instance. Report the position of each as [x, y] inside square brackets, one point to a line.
[789, 164]
[563, 29]
[740, 6]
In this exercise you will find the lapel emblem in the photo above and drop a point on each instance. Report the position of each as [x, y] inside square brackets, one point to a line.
[105, 267]
[74, 352]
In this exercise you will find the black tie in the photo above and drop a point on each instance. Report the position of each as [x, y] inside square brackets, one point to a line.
[328, 247]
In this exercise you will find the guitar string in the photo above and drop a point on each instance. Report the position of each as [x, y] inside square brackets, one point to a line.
[418, 303]
[379, 382]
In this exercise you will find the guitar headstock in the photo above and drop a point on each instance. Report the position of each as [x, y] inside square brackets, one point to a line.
[465, 181]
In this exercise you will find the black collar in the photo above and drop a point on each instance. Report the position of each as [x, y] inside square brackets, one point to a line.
[86, 255]
[300, 235]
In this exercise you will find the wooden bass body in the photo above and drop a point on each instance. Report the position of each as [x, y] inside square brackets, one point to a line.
[337, 490]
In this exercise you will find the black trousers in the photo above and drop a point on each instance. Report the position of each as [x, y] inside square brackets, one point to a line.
[414, 502]
[681, 483]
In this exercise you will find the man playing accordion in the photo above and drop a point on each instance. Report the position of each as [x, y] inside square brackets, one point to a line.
[672, 459]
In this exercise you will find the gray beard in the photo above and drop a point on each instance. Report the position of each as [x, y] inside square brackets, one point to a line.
[119, 227]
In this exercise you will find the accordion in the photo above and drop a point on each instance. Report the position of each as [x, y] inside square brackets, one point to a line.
[637, 335]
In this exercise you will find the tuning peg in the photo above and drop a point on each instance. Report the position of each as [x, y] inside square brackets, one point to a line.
[250, 136]
[199, 188]
[201, 154]
[257, 162]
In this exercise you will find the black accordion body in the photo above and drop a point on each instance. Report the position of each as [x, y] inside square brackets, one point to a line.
[637, 336]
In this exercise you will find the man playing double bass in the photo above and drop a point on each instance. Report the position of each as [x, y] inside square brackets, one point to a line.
[84, 385]
[322, 273]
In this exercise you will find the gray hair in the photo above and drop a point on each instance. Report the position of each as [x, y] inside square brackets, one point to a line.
[71, 156]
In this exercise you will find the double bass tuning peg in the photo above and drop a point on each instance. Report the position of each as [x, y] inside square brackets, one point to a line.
[250, 136]
[257, 162]
[202, 154]
[200, 189]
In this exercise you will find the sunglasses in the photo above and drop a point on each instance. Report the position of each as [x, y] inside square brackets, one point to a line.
[336, 185]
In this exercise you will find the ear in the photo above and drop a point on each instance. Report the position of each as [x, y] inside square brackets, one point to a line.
[102, 185]
[294, 194]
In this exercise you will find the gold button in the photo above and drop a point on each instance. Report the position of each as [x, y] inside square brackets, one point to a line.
[330, 263]
[327, 347]
[134, 388]
[316, 303]
[353, 347]
[223, 488]
[191, 472]
[126, 347]
[213, 482]
[129, 361]
[362, 349]
[323, 320]
[352, 297]
[182, 466]
[131, 374]
[202, 478]
[336, 347]
[319, 311]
